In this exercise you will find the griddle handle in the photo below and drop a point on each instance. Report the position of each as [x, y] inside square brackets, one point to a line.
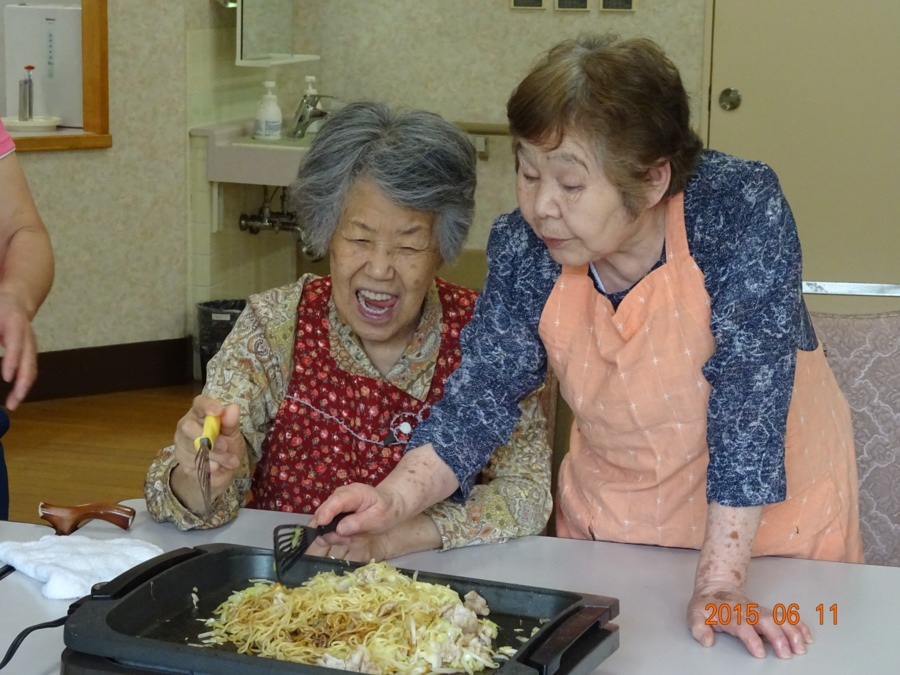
[140, 574]
[547, 656]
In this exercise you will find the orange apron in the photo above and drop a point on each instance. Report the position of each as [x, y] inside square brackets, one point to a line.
[636, 466]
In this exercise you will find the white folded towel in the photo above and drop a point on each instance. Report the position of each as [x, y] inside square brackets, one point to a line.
[70, 566]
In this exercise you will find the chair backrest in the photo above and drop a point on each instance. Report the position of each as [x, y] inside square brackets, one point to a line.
[864, 353]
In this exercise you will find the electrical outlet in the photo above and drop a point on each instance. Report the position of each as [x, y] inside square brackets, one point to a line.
[526, 4]
[576, 5]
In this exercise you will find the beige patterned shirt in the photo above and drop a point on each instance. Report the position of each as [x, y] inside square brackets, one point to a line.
[253, 369]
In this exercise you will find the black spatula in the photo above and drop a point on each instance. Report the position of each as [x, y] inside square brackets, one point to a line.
[292, 541]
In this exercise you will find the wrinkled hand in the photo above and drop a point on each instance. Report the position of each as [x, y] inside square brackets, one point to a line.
[749, 622]
[362, 548]
[418, 533]
[228, 454]
[371, 511]
[19, 349]
[420, 479]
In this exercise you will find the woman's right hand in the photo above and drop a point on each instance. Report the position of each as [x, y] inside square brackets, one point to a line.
[420, 479]
[371, 511]
[228, 454]
[19, 360]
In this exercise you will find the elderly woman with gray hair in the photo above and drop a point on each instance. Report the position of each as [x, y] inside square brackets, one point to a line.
[321, 382]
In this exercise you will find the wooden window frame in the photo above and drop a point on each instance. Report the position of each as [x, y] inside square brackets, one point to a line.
[94, 85]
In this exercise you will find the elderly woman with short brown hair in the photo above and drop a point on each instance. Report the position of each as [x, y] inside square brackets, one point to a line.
[661, 283]
[321, 382]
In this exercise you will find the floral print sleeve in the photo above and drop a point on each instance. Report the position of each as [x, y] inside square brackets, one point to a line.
[514, 499]
[163, 505]
[500, 346]
[743, 236]
[250, 370]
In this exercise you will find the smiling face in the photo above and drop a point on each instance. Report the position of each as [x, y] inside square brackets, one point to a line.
[383, 260]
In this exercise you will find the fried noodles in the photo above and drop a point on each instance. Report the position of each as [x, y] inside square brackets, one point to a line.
[372, 620]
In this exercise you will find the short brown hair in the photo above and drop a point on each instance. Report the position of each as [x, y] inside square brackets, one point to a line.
[626, 96]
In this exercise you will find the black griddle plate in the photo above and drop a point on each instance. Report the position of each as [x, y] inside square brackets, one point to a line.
[145, 621]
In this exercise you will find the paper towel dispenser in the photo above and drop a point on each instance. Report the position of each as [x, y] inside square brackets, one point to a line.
[47, 37]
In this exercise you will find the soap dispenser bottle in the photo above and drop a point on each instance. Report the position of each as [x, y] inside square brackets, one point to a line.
[267, 124]
[312, 91]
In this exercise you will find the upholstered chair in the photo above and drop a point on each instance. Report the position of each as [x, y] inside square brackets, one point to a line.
[864, 353]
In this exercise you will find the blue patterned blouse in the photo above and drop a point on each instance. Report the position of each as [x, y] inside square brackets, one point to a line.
[742, 235]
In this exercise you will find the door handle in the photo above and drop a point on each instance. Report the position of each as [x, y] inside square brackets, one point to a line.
[730, 99]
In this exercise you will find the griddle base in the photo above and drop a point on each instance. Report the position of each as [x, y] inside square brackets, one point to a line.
[76, 663]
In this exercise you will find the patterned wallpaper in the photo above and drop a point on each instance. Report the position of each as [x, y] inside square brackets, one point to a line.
[116, 216]
[462, 59]
[131, 260]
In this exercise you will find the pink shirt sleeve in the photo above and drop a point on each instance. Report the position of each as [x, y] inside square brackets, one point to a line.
[6, 142]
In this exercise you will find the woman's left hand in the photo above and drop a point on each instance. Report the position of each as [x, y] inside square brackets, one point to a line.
[725, 608]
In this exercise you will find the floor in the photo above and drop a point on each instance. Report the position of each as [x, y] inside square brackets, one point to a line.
[89, 449]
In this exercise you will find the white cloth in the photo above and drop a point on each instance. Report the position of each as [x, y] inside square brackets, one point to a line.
[70, 566]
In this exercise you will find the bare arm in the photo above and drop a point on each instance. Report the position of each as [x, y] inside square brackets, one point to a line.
[26, 274]
[722, 580]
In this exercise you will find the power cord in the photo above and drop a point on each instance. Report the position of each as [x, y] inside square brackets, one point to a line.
[13, 648]
[17, 642]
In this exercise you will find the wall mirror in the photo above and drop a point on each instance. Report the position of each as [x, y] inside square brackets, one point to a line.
[265, 33]
[95, 89]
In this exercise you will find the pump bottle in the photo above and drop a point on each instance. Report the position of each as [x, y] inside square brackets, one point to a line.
[267, 124]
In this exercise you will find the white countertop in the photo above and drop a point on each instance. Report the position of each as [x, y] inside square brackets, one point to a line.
[652, 585]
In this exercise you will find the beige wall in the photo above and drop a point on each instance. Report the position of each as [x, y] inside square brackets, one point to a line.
[462, 59]
[134, 245]
[116, 216]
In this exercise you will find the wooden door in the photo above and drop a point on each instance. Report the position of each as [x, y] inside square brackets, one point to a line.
[819, 84]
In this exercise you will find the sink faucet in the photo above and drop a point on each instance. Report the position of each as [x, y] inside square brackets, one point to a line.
[307, 113]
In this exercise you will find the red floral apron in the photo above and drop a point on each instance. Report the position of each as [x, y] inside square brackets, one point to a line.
[636, 466]
[335, 428]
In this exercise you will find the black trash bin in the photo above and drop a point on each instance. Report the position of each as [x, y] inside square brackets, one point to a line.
[215, 319]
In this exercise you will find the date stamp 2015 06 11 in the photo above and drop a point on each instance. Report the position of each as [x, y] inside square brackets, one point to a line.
[723, 613]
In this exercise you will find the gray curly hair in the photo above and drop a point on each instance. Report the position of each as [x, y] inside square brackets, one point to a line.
[416, 158]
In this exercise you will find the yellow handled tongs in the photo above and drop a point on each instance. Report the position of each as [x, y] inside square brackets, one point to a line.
[204, 445]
